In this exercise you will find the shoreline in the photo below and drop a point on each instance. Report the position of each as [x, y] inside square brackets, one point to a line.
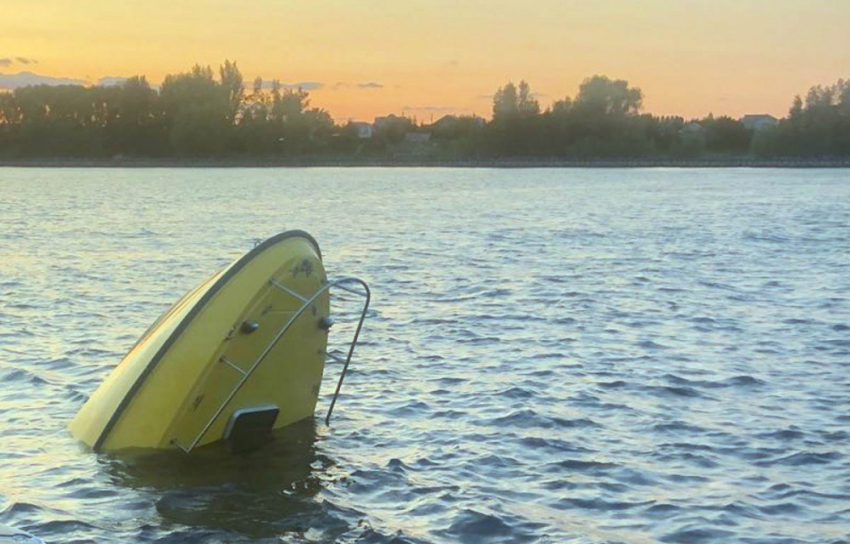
[266, 162]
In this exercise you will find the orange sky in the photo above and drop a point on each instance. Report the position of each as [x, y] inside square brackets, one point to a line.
[432, 57]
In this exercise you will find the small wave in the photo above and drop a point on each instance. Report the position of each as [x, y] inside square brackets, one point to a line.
[396, 465]
[616, 384]
[469, 525]
[17, 334]
[433, 321]
[451, 381]
[473, 339]
[734, 381]
[88, 493]
[718, 285]
[686, 478]
[837, 436]
[675, 392]
[497, 461]
[448, 414]
[564, 321]
[21, 376]
[473, 527]
[551, 445]
[796, 321]
[703, 320]
[663, 510]
[780, 492]
[530, 419]
[784, 435]
[19, 509]
[765, 237]
[516, 393]
[599, 504]
[543, 373]
[676, 427]
[577, 465]
[803, 458]
[633, 477]
[60, 527]
[649, 344]
[671, 290]
[496, 293]
[780, 509]
[742, 381]
[693, 459]
[412, 408]
[697, 536]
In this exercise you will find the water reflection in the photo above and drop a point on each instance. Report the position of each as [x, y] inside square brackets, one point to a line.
[268, 492]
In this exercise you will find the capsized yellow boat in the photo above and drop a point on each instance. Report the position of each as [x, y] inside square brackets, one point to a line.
[238, 356]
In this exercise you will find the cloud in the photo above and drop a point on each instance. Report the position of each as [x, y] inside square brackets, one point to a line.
[8, 61]
[432, 109]
[24, 79]
[366, 85]
[111, 81]
[303, 85]
[454, 63]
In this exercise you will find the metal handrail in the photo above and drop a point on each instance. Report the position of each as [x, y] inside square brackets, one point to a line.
[368, 295]
[247, 374]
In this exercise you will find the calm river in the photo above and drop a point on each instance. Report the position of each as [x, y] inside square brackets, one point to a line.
[561, 355]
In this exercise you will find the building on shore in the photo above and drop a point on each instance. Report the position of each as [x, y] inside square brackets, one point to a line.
[759, 121]
[364, 130]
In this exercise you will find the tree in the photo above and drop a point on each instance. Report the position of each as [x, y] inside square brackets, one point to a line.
[726, 135]
[511, 103]
[391, 129]
[197, 112]
[505, 103]
[816, 127]
[130, 122]
[231, 82]
[516, 113]
[603, 96]
[602, 121]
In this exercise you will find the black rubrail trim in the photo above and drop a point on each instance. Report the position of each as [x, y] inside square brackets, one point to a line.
[237, 266]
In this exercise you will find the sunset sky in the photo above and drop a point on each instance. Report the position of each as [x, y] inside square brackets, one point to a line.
[361, 58]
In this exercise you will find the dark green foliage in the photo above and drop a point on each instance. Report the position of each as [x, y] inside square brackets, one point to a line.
[195, 114]
[192, 115]
[458, 137]
[196, 110]
[818, 128]
[602, 122]
[726, 135]
[516, 120]
[391, 129]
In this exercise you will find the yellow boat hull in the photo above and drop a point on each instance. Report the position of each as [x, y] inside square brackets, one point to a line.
[219, 353]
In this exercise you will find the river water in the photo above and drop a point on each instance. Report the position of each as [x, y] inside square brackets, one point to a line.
[564, 355]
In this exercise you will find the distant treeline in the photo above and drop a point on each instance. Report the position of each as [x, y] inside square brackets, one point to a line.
[195, 114]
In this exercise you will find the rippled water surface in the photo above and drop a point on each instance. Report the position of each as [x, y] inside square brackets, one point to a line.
[552, 356]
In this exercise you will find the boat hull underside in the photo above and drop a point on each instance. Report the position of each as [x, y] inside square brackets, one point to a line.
[218, 347]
